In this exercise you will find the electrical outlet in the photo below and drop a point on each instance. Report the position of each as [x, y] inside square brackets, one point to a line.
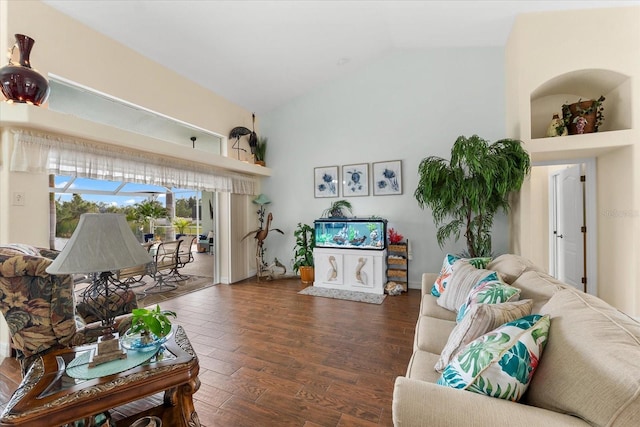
[18, 198]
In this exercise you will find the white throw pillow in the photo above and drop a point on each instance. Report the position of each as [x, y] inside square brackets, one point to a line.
[463, 279]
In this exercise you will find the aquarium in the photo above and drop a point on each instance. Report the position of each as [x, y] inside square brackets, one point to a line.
[351, 233]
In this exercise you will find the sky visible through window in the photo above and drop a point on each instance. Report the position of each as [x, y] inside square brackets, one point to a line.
[99, 191]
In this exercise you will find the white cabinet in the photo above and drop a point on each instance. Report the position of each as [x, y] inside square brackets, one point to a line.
[350, 269]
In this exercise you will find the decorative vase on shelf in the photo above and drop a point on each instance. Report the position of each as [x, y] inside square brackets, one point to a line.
[556, 127]
[21, 83]
[584, 116]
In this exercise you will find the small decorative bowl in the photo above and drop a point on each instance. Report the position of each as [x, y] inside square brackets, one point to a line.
[148, 422]
[134, 341]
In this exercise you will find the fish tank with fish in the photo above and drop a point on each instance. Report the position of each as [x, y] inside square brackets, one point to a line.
[351, 233]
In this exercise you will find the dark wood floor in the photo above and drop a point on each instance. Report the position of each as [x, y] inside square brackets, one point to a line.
[271, 357]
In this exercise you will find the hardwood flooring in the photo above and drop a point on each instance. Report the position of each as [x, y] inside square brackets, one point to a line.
[271, 357]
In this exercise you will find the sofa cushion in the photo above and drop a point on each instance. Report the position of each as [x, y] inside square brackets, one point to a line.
[591, 364]
[479, 320]
[502, 362]
[539, 287]
[421, 366]
[447, 268]
[492, 292]
[19, 249]
[429, 307]
[464, 278]
[511, 266]
[38, 307]
[432, 334]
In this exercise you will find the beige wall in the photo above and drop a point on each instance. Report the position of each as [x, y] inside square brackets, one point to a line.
[618, 254]
[549, 52]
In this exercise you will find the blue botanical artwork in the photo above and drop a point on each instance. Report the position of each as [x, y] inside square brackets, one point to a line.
[387, 178]
[326, 181]
[355, 180]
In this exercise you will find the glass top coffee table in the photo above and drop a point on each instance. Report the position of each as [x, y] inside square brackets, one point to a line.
[49, 396]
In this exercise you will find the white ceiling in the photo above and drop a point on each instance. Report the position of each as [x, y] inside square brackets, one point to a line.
[261, 54]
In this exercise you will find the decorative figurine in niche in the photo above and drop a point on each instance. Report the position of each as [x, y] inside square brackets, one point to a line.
[556, 127]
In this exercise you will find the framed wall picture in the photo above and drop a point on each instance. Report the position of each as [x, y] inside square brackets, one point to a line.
[355, 180]
[325, 181]
[387, 178]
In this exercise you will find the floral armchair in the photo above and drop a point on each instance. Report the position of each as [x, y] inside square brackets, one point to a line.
[40, 308]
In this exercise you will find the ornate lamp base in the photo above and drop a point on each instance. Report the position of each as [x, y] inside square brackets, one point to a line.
[108, 349]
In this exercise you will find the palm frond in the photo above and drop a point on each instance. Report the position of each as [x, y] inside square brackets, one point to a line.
[471, 187]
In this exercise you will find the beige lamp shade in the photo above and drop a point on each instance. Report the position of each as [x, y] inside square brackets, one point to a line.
[101, 242]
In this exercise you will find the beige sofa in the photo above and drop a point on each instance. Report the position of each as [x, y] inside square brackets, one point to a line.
[588, 375]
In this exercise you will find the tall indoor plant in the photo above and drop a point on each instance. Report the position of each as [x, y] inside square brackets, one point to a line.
[465, 192]
[303, 256]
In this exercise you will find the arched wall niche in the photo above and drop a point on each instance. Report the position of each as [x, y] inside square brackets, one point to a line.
[548, 98]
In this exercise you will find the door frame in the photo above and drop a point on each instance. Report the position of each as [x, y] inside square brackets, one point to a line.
[591, 242]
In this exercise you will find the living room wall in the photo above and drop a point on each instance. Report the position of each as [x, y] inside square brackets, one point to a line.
[406, 106]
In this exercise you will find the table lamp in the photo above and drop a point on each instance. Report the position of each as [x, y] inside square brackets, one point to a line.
[101, 245]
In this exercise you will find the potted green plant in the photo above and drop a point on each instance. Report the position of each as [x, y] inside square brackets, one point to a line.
[149, 328]
[180, 224]
[583, 116]
[465, 192]
[336, 209]
[261, 150]
[303, 255]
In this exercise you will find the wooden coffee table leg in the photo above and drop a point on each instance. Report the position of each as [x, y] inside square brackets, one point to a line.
[180, 399]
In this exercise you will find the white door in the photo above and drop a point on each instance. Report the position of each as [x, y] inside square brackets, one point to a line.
[569, 234]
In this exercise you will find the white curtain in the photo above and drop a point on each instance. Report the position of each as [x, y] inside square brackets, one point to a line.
[40, 153]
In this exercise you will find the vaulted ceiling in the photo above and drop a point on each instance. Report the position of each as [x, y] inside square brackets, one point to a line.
[261, 54]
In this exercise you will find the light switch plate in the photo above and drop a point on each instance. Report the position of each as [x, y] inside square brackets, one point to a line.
[18, 198]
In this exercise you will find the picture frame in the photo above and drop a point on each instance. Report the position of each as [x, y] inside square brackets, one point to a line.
[326, 181]
[387, 178]
[355, 180]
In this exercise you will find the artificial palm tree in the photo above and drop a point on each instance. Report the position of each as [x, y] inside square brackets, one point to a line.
[468, 190]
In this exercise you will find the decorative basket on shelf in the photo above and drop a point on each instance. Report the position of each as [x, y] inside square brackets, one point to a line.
[396, 273]
[396, 261]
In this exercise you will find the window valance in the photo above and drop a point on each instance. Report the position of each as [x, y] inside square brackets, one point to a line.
[62, 155]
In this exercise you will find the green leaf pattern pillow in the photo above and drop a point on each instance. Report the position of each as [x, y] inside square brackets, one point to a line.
[502, 362]
[492, 292]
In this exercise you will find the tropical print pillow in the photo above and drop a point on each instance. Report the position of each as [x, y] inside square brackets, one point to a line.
[480, 319]
[502, 362]
[447, 269]
[492, 292]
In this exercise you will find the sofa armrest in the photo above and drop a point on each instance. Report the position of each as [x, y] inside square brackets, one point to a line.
[422, 404]
[428, 279]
